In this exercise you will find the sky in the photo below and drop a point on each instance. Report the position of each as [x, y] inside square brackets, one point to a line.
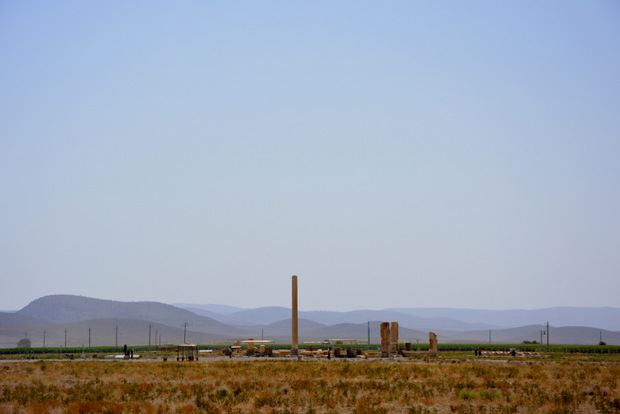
[390, 154]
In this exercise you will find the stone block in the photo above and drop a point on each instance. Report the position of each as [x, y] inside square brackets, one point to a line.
[385, 339]
[432, 338]
[394, 338]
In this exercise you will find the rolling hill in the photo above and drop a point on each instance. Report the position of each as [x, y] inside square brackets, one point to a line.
[270, 314]
[16, 319]
[79, 320]
[602, 318]
[61, 309]
[430, 318]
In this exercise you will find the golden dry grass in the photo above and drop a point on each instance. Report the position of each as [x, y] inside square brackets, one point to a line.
[408, 386]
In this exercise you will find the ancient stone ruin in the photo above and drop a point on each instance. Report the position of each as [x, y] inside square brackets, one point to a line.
[394, 338]
[385, 339]
[389, 339]
[432, 338]
[294, 327]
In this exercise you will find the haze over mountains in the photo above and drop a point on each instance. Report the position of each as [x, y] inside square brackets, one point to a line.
[79, 321]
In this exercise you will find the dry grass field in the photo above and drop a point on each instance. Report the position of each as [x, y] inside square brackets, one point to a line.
[236, 386]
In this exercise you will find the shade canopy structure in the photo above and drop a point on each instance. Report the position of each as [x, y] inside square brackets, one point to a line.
[187, 352]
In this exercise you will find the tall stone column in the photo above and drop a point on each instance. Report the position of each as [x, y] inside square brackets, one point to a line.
[294, 328]
[432, 338]
[385, 339]
[394, 338]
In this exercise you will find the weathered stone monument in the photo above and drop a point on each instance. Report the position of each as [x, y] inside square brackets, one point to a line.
[394, 338]
[294, 327]
[432, 338]
[389, 339]
[385, 339]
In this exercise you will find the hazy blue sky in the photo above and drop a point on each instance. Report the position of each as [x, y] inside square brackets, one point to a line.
[390, 154]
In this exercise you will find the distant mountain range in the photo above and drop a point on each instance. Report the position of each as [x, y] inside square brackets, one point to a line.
[267, 315]
[423, 318]
[80, 321]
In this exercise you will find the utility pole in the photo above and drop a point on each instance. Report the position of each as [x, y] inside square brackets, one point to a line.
[547, 335]
[65, 337]
[44, 339]
[184, 331]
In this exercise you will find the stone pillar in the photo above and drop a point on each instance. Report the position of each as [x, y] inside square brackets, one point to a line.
[432, 338]
[251, 345]
[394, 338]
[294, 330]
[385, 339]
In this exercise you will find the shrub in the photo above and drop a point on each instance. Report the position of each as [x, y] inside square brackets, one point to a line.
[24, 343]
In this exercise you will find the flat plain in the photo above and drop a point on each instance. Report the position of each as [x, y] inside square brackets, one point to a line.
[451, 383]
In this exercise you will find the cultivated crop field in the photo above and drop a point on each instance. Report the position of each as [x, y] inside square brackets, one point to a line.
[439, 385]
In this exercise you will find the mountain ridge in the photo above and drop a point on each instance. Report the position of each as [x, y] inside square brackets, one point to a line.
[459, 319]
[55, 315]
[62, 309]
[600, 317]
